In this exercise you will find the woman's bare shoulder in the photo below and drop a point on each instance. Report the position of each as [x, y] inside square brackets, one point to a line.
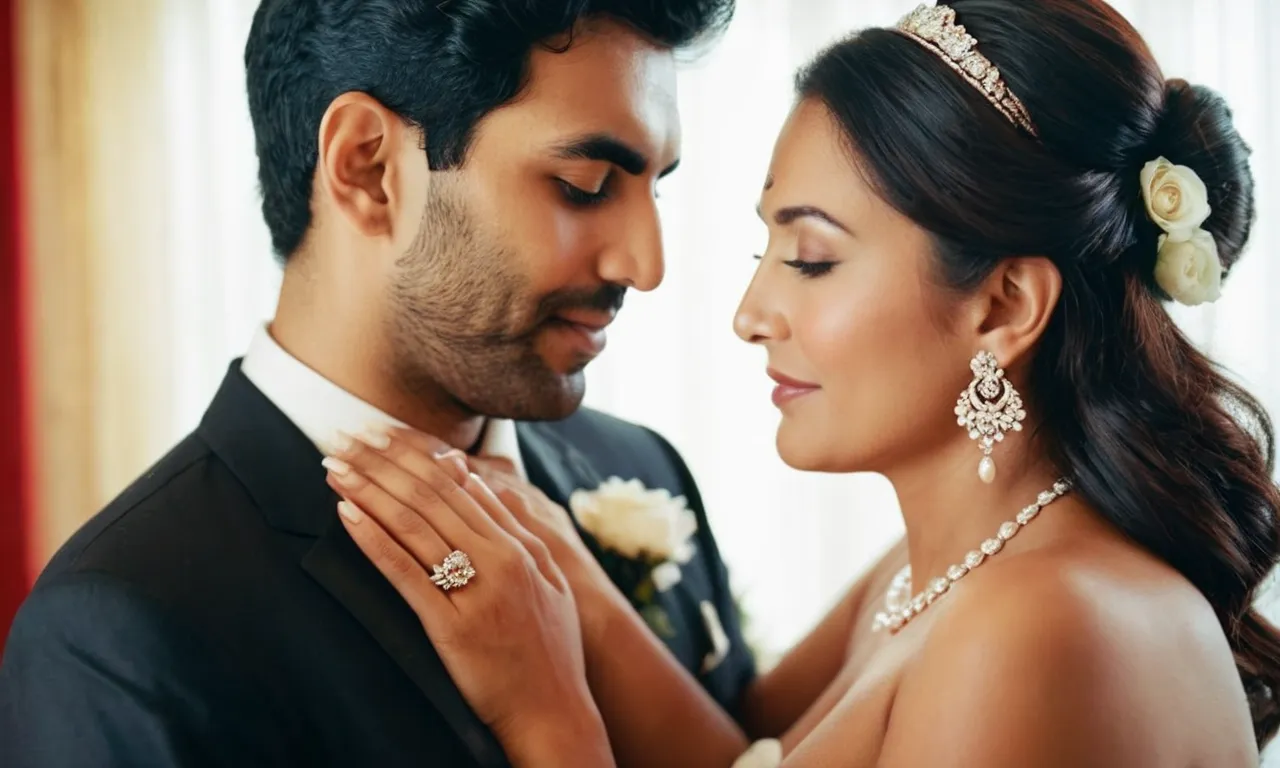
[1071, 658]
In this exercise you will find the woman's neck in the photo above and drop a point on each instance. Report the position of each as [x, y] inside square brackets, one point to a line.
[949, 511]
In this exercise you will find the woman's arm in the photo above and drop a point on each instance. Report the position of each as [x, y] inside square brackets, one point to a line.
[505, 642]
[655, 711]
[511, 640]
[776, 701]
[648, 700]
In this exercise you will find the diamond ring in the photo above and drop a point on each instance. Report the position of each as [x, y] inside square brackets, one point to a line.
[455, 572]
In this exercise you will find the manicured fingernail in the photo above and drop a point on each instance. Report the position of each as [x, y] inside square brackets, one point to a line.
[455, 462]
[479, 481]
[460, 466]
[336, 466]
[376, 438]
[351, 512]
[342, 442]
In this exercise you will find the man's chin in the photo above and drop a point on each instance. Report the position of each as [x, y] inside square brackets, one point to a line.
[564, 399]
[548, 396]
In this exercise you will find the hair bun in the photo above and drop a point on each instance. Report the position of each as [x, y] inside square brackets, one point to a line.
[1197, 129]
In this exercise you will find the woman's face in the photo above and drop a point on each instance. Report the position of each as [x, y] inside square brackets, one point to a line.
[845, 304]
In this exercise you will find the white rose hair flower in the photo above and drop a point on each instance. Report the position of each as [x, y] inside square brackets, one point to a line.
[1177, 200]
[1188, 267]
[1189, 271]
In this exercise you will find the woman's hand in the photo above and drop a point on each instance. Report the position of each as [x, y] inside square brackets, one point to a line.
[538, 514]
[594, 592]
[598, 599]
[509, 635]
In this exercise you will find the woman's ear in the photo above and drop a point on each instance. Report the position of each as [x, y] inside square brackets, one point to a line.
[1014, 305]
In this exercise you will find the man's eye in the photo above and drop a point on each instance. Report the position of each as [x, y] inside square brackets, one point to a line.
[581, 197]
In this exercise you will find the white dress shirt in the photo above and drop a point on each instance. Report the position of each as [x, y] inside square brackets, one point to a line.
[322, 409]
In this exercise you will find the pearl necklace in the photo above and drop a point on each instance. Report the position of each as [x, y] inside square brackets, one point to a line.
[901, 608]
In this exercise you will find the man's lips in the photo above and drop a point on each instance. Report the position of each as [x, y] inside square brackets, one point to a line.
[590, 319]
[584, 329]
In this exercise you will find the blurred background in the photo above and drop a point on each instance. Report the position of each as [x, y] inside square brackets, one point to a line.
[135, 266]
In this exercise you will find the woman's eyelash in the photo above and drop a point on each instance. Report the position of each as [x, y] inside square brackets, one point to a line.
[810, 268]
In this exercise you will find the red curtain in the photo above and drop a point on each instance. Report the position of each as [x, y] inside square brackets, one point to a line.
[14, 457]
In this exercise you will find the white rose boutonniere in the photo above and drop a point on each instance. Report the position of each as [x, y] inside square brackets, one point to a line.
[634, 521]
[645, 534]
[1177, 200]
[1189, 271]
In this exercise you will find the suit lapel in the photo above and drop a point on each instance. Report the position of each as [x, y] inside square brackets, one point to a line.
[281, 470]
[558, 468]
[554, 465]
[339, 566]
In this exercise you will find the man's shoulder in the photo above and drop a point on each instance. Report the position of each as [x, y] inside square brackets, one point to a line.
[593, 427]
[589, 422]
[163, 510]
[613, 441]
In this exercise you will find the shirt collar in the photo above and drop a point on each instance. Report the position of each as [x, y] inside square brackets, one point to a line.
[322, 409]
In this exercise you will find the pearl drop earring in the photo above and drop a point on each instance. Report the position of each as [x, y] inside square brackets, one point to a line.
[989, 408]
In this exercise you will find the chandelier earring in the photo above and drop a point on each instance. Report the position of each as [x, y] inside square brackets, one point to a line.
[988, 409]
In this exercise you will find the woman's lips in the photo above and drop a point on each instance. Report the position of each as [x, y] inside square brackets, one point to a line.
[789, 389]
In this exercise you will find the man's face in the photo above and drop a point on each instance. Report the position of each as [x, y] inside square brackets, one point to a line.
[523, 254]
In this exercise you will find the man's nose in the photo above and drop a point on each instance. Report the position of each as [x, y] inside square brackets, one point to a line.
[634, 258]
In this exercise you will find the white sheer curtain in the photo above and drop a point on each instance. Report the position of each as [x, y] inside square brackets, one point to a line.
[673, 362]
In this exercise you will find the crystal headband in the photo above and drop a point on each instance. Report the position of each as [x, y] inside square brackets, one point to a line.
[936, 29]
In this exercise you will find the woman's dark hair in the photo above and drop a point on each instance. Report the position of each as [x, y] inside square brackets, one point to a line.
[1154, 436]
[442, 65]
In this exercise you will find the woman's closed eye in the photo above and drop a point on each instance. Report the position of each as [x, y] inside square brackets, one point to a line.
[806, 268]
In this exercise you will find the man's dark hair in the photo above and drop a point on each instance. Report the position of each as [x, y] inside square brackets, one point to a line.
[441, 66]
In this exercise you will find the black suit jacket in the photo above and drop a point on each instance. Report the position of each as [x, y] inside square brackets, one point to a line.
[216, 613]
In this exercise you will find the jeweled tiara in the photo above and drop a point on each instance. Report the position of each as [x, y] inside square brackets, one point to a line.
[936, 29]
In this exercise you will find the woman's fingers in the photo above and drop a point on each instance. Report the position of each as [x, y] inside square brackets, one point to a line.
[431, 487]
[491, 487]
[404, 570]
[421, 540]
[488, 464]
[519, 505]
[529, 505]
[452, 500]
[421, 441]
[498, 506]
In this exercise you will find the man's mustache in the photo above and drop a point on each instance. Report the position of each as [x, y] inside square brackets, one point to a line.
[607, 298]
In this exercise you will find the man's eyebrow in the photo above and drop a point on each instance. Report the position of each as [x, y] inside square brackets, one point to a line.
[599, 146]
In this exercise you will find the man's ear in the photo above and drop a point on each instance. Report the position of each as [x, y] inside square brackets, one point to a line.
[356, 163]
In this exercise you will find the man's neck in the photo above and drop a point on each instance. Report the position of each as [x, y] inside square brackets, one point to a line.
[354, 359]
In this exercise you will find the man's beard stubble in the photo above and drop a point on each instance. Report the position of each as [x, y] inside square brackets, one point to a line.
[464, 322]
